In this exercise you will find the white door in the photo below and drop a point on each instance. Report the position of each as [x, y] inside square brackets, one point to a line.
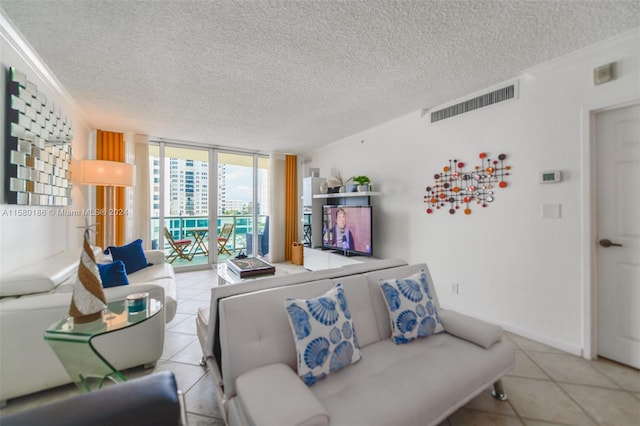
[618, 221]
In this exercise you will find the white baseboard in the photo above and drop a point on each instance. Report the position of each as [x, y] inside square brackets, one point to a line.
[574, 350]
[531, 335]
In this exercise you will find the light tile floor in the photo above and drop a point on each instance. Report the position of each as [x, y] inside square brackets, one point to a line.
[546, 387]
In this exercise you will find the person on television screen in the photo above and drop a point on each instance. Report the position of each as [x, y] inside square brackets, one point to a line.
[342, 236]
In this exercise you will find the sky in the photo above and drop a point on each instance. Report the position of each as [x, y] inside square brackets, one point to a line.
[239, 183]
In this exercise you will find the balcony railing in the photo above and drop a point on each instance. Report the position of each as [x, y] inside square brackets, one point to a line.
[181, 227]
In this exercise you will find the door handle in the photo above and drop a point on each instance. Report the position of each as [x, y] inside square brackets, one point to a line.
[607, 243]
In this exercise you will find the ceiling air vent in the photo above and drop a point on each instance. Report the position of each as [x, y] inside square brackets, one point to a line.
[503, 94]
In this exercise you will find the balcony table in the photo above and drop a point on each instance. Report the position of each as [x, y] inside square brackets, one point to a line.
[198, 240]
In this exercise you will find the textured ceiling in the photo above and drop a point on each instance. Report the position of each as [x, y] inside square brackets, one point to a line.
[289, 76]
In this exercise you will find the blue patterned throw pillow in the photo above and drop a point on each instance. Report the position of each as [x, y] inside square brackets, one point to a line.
[411, 309]
[324, 335]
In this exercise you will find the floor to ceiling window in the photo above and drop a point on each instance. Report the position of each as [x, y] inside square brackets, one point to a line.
[261, 241]
[196, 187]
[243, 201]
[180, 203]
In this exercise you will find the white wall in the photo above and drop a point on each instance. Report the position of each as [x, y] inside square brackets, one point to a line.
[514, 268]
[24, 239]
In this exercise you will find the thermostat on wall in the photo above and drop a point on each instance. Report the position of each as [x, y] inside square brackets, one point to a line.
[551, 176]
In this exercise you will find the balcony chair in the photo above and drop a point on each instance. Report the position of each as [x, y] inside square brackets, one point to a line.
[223, 237]
[179, 248]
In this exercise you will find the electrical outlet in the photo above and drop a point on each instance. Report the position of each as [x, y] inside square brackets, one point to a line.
[455, 288]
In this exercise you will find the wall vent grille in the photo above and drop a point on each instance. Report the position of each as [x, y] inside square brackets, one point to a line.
[500, 95]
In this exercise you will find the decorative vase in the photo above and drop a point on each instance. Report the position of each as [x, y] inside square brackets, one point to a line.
[363, 188]
[88, 299]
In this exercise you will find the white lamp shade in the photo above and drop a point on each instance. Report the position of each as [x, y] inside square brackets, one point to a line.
[106, 173]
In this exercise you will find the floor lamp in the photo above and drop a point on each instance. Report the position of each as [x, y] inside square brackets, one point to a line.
[109, 174]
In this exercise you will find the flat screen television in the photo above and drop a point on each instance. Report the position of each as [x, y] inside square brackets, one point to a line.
[347, 229]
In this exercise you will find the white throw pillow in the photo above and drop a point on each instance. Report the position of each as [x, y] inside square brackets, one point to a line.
[411, 309]
[324, 334]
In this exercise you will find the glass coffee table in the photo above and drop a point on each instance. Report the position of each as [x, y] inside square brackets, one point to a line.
[72, 342]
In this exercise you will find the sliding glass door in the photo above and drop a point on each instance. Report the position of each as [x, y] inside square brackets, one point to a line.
[180, 210]
[207, 204]
[243, 196]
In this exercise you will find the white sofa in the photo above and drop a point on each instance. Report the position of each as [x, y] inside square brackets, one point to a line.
[34, 298]
[253, 359]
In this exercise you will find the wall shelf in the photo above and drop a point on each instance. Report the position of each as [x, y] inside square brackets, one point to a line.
[348, 194]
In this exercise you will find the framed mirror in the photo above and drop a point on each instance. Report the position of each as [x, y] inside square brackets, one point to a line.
[38, 146]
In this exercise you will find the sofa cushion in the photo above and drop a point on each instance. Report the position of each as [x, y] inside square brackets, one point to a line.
[415, 384]
[411, 309]
[324, 334]
[113, 274]
[131, 254]
[152, 273]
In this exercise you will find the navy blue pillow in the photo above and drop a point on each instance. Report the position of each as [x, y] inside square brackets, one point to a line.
[131, 254]
[113, 274]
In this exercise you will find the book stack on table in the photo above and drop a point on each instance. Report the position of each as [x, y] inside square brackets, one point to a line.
[250, 266]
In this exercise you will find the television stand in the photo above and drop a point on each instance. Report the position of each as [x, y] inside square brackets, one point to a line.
[344, 253]
[319, 259]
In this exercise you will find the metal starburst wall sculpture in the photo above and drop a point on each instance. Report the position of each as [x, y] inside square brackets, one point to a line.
[456, 187]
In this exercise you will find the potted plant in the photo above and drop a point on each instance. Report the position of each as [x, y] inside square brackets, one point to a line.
[363, 183]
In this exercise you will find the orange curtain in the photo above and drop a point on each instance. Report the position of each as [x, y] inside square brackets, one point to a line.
[110, 146]
[291, 205]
